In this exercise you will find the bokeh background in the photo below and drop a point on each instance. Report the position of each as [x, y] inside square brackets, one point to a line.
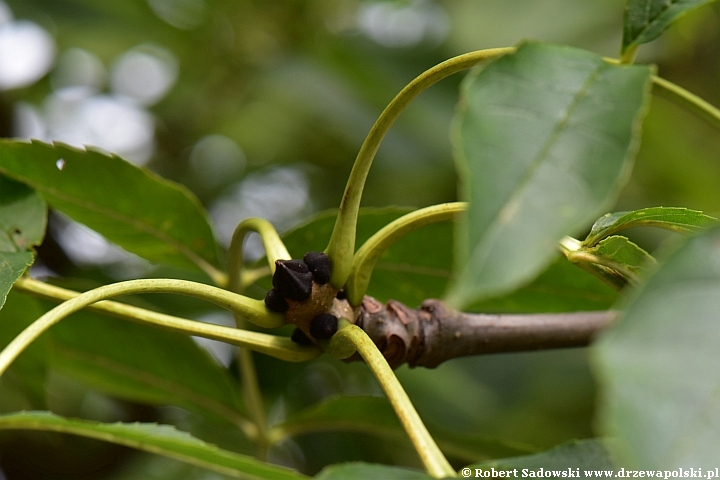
[259, 107]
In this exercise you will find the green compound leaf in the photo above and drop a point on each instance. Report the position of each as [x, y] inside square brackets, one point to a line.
[576, 456]
[544, 140]
[159, 439]
[671, 218]
[375, 416]
[615, 259]
[660, 367]
[139, 211]
[144, 364]
[23, 218]
[645, 20]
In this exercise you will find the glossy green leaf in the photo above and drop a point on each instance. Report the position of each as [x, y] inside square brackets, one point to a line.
[577, 456]
[365, 471]
[375, 416]
[415, 268]
[159, 439]
[672, 218]
[139, 211]
[544, 140]
[645, 20]
[144, 364]
[660, 367]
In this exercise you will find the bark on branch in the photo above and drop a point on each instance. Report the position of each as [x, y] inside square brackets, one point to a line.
[434, 332]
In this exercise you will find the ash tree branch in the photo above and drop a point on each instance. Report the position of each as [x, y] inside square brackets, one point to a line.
[434, 332]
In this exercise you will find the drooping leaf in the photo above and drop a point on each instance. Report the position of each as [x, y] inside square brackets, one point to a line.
[159, 439]
[672, 218]
[645, 20]
[660, 367]
[617, 257]
[375, 416]
[143, 364]
[139, 211]
[544, 140]
[578, 456]
[364, 471]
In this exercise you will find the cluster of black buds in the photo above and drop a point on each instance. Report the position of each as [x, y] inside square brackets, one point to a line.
[293, 281]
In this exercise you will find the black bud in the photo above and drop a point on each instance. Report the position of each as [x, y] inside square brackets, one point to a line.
[292, 279]
[320, 266]
[299, 337]
[323, 326]
[275, 301]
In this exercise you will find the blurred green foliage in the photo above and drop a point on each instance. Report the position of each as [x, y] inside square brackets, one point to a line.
[298, 84]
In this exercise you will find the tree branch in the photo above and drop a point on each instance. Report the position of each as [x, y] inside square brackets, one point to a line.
[434, 333]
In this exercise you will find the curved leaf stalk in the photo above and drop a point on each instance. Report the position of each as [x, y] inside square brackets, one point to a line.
[370, 252]
[275, 250]
[687, 100]
[432, 458]
[341, 247]
[275, 346]
[675, 93]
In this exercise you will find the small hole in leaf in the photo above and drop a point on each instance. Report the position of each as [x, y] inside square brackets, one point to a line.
[60, 164]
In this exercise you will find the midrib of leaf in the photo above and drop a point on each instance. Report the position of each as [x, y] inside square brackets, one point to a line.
[155, 381]
[135, 223]
[542, 155]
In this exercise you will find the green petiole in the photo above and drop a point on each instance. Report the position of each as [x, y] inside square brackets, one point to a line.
[342, 242]
[254, 310]
[351, 338]
[370, 252]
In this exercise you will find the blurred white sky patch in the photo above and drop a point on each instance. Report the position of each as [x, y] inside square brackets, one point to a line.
[403, 24]
[280, 195]
[79, 113]
[78, 68]
[145, 74]
[27, 51]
